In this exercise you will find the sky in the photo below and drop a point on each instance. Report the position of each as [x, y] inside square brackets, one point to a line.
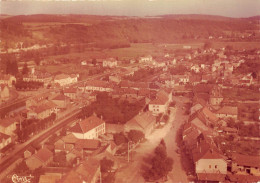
[229, 8]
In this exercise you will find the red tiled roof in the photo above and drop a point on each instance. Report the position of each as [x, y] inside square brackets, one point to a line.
[206, 151]
[2, 86]
[243, 178]
[208, 115]
[61, 97]
[97, 83]
[7, 122]
[43, 107]
[70, 90]
[3, 136]
[61, 76]
[69, 139]
[246, 160]
[44, 154]
[228, 110]
[88, 169]
[142, 120]
[90, 144]
[71, 177]
[161, 99]
[87, 124]
[211, 177]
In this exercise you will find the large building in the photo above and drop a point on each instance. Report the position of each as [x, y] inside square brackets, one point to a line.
[161, 103]
[89, 128]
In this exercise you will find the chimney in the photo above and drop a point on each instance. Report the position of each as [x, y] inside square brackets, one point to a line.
[200, 149]
[101, 117]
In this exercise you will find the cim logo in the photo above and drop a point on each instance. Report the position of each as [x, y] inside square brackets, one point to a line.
[21, 179]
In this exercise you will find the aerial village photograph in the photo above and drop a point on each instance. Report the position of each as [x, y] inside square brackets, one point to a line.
[130, 91]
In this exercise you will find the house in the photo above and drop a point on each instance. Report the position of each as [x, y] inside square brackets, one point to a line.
[72, 93]
[39, 76]
[207, 116]
[7, 79]
[87, 145]
[195, 79]
[210, 165]
[183, 79]
[42, 111]
[50, 178]
[40, 159]
[29, 152]
[189, 136]
[110, 62]
[144, 122]
[65, 79]
[245, 164]
[227, 112]
[88, 171]
[89, 128]
[4, 140]
[216, 97]
[66, 143]
[195, 68]
[246, 80]
[115, 79]
[195, 108]
[60, 145]
[8, 125]
[146, 59]
[84, 62]
[97, 85]
[161, 103]
[36, 100]
[61, 101]
[4, 92]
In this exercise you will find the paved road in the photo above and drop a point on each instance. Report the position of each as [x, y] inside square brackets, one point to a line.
[132, 172]
[177, 174]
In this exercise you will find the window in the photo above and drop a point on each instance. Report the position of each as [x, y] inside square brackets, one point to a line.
[216, 166]
[209, 166]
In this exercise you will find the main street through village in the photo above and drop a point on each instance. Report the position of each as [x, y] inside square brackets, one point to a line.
[133, 171]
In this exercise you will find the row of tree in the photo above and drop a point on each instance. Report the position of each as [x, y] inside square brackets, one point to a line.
[111, 109]
[27, 85]
[134, 136]
[29, 127]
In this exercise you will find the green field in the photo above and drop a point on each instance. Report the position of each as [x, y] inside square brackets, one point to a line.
[237, 45]
[135, 51]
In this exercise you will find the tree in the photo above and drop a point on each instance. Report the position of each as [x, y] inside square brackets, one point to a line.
[106, 168]
[161, 164]
[106, 165]
[21, 168]
[135, 135]
[25, 69]
[119, 138]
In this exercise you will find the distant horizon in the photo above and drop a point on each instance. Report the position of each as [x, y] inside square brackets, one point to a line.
[138, 8]
[210, 15]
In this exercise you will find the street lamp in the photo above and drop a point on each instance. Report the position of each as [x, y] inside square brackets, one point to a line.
[128, 149]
